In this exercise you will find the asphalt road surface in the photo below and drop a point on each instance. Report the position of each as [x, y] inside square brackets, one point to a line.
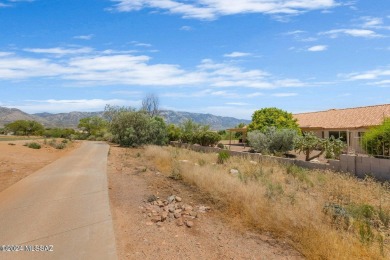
[61, 211]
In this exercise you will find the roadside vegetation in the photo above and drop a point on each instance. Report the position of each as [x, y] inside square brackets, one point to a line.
[324, 215]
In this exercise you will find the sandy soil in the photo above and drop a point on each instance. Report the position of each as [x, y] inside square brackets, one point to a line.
[18, 161]
[132, 179]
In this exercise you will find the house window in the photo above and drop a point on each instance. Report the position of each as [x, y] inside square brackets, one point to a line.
[342, 135]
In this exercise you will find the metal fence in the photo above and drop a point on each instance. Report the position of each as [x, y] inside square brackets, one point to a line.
[376, 148]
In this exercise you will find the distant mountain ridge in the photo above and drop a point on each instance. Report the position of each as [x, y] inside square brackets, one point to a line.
[71, 120]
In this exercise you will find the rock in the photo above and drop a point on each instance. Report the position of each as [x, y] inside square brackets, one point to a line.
[234, 172]
[177, 215]
[149, 223]
[179, 222]
[171, 198]
[171, 209]
[156, 219]
[253, 162]
[171, 215]
[178, 211]
[189, 223]
[152, 198]
[193, 214]
[159, 224]
[203, 209]
[164, 216]
[184, 161]
[141, 168]
[178, 199]
[188, 208]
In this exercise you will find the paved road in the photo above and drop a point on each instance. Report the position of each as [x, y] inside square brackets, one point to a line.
[65, 204]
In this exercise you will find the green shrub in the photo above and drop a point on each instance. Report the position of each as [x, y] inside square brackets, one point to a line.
[34, 145]
[272, 140]
[207, 138]
[376, 141]
[60, 146]
[131, 128]
[220, 145]
[223, 156]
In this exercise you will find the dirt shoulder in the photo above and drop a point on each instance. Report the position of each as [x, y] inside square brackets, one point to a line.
[18, 161]
[133, 180]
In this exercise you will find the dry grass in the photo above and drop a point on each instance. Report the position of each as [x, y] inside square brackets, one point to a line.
[326, 215]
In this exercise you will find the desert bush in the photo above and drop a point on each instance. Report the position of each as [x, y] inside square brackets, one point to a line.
[206, 138]
[223, 156]
[131, 128]
[174, 132]
[34, 145]
[60, 146]
[221, 146]
[376, 141]
[58, 132]
[272, 140]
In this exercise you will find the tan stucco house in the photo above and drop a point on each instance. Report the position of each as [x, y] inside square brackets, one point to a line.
[348, 124]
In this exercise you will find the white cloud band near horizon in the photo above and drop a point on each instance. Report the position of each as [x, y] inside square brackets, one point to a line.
[212, 9]
[87, 66]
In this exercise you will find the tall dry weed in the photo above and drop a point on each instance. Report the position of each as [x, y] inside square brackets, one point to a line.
[289, 202]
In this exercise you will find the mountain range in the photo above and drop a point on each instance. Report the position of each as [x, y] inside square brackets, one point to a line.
[71, 119]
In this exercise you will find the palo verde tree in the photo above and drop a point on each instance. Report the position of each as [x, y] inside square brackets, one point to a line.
[93, 125]
[272, 116]
[25, 127]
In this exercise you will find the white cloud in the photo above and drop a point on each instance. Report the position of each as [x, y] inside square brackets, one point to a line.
[285, 94]
[186, 28]
[371, 77]
[84, 37]
[237, 54]
[237, 104]
[59, 51]
[352, 32]
[371, 22]
[57, 106]
[3, 54]
[111, 68]
[317, 48]
[212, 9]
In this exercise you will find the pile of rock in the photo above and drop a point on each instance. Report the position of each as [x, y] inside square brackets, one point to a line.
[171, 209]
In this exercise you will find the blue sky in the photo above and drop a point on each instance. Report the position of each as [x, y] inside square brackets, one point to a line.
[221, 57]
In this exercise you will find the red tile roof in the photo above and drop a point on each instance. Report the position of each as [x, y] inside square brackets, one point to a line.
[347, 118]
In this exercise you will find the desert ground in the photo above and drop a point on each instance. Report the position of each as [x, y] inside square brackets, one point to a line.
[18, 161]
[132, 181]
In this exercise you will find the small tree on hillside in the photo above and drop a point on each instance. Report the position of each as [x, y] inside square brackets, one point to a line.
[275, 117]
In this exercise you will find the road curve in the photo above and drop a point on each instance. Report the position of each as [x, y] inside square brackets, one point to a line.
[64, 205]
